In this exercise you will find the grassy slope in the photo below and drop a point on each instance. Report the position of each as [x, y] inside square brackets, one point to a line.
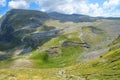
[93, 35]
[67, 55]
[106, 67]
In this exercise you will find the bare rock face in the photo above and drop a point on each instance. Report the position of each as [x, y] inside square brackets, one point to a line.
[35, 40]
[70, 43]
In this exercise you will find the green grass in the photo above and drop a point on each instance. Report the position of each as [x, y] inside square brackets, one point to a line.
[98, 69]
[67, 57]
[113, 54]
[94, 36]
[29, 74]
[5, 64]
[47, 66]
[115, 44]
[104, 68]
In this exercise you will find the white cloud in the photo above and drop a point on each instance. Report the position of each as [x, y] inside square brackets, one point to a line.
[111, 4]
[2, 3]
[55, 5]
[95, 10]
[18, 4]
[117, 14]
[64, 6]
[81, 7]
[71, 6]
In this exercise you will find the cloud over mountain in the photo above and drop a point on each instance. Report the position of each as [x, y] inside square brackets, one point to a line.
[2, 3]
[18, 4]
[108, 7]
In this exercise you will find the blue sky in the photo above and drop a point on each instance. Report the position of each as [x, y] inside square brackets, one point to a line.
[107, 8]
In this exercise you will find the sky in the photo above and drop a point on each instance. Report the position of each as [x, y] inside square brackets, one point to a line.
[106, 8]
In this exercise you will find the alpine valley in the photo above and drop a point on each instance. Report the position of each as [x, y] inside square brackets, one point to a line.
[35, 45]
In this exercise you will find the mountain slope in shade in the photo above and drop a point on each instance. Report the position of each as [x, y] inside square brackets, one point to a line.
[16, 24]
[72, 18]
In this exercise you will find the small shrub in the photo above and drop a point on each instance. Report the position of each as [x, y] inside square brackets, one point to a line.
[44, 56]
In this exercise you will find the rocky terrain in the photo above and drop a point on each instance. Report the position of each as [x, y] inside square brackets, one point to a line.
[35, 45]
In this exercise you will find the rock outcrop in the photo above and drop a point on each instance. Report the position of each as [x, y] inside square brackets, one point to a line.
[70, 43]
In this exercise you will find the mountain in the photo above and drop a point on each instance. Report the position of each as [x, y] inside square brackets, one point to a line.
[37, 45]
[77, 17]
[16, 24]
[72, 17]
[109, 18]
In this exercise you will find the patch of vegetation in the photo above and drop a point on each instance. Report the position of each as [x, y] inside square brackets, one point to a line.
[5, 60]
[43, 57]
[115, 44]
[103, 68]
[93, 35]
[100, 69]
[5, 64]
[66, 55]
[95, 30]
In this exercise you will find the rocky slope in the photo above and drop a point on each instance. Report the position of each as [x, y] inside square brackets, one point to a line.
[16, 25]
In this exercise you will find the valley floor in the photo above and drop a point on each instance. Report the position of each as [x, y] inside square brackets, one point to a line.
[104, 68]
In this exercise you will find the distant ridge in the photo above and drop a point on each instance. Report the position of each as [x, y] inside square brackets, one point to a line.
[71, 17]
